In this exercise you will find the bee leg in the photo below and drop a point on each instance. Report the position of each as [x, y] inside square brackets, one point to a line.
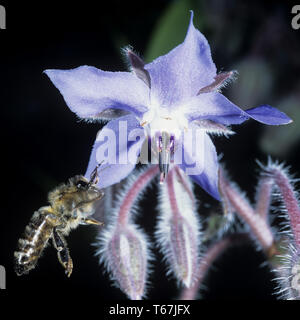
[63, 254]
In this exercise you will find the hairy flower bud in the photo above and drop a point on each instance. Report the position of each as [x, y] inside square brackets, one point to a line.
[295, 276]
[178, 232]
[123, 246]
[289, 270]
[124, 252]
[288, 273]
[257, 222]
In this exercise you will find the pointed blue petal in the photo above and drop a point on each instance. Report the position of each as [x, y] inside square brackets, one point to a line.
[268, 115]
[216, 107]
[89, 91]
[119, 144]
[201, 151]
[208, 179]
[183, 71]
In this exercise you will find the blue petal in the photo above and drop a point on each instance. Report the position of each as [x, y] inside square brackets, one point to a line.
[183, 71]
[268, 115]
[209, 179]
[206, 173]
[216, 107]
[89, 91]
[118, 144]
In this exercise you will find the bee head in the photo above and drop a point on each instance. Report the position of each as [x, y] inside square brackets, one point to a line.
[81, 183]
[78, 194]
[85, 194]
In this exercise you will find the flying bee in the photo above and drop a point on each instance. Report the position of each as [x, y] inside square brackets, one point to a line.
[71, 205]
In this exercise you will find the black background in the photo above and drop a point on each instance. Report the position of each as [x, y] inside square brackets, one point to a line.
[43, 143]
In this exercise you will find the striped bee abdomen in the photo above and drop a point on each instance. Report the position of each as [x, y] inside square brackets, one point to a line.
[36, 237]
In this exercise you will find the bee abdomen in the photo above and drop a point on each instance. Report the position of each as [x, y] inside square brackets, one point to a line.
[36, 236]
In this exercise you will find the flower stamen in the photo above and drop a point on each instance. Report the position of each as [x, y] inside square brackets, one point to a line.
[165, 145]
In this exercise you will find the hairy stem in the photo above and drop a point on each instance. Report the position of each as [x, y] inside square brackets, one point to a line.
[182, 179]
[258, 224]
[290, 201]
[263, 197]
[141, 182]
[171, 194]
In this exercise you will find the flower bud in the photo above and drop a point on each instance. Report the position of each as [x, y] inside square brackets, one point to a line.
[295, 279]
[124, 252]
[288, 274]
[178, 229]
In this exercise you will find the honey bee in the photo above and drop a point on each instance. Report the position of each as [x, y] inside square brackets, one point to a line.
[71, 205]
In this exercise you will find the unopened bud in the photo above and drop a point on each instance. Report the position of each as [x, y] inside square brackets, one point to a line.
[125, 255]
[288, 274]
[178, 229]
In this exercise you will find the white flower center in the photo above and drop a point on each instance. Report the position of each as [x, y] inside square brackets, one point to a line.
[164, 125]
[159, 119]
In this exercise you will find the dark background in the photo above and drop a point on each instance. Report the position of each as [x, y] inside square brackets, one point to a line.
[43, 143]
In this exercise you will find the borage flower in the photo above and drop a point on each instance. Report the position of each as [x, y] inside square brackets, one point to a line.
[175, 94]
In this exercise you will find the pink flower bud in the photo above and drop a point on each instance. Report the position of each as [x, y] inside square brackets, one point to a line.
[125, 255]
[178, 229]
[288, 270]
